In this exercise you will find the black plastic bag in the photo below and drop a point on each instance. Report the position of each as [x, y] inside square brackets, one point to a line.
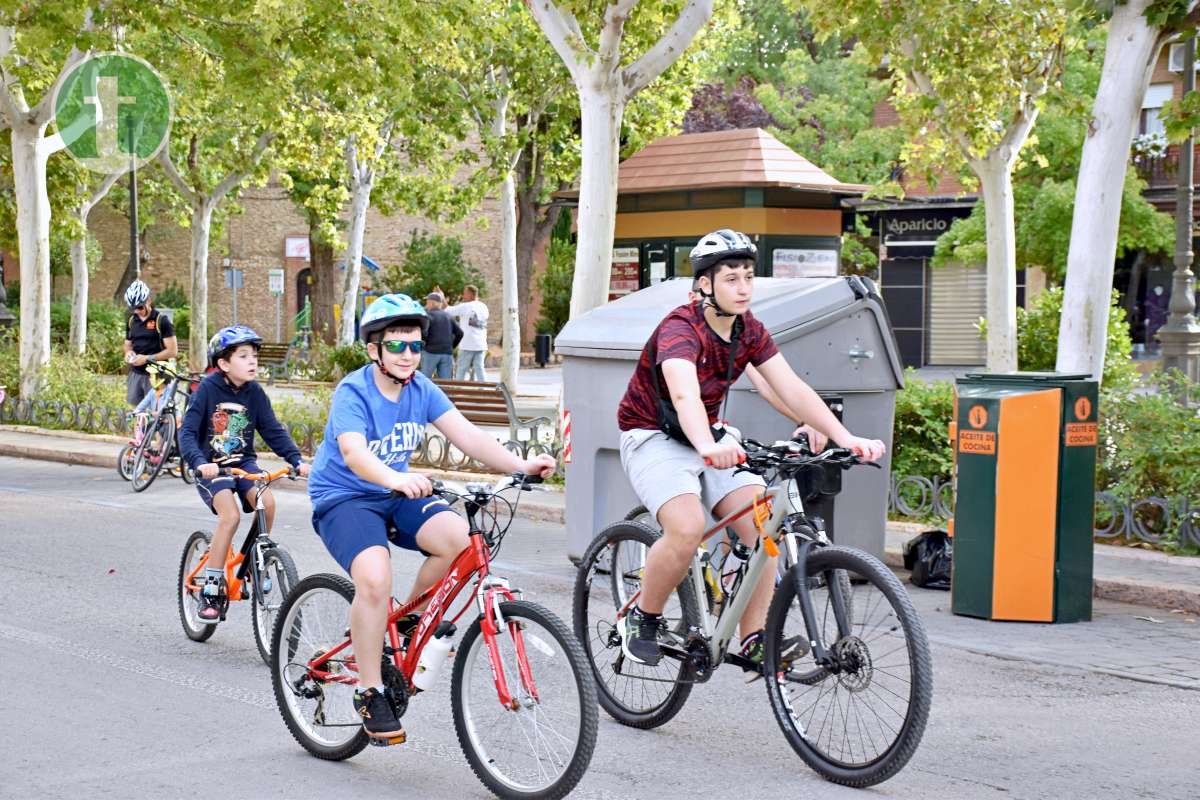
[928, 557]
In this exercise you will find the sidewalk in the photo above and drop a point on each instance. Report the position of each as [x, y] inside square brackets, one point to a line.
[1122, 574]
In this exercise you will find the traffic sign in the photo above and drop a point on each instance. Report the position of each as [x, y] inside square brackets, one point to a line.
[275, 281]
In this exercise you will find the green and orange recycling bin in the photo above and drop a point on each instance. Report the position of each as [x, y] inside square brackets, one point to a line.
[1025, 450]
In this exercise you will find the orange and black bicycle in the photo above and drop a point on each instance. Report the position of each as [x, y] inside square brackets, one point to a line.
[262, 572]
[522, 695]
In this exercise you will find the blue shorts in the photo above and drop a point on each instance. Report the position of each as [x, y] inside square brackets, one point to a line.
[209, 489]
[353, 525]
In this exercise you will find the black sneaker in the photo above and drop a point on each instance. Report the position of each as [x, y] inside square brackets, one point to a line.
[754, 650]
[639, 637]
[377, 715]
[212, 601]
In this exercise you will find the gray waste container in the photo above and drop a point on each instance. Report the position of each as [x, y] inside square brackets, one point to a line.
[833, 331]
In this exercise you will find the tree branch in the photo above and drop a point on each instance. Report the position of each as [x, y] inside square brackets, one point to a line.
[234, 178]
[190, 195]
[667, 50]
[98, 195]
[563, 32]
[615, 15]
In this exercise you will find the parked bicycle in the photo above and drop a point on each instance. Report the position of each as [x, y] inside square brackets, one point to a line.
[847, 664]
[522, 697]
[158, 444]
[262, 571]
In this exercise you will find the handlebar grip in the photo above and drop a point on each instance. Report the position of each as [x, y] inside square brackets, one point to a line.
[741, 460]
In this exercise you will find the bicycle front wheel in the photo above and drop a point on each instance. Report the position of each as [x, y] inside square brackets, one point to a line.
[153, 452]
[277, 578]
[314, 619]
[610, 575]
[861, 721]
[125, 462]
[540, 745]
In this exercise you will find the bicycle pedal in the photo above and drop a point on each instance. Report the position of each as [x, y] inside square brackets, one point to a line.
[379, 741]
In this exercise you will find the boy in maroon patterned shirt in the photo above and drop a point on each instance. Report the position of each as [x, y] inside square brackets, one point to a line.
[685, 367]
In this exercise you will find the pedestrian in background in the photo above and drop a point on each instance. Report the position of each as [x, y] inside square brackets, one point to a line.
[473, 317]
[444, 335]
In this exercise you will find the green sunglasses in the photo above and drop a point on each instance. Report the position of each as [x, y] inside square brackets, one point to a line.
[398, 346]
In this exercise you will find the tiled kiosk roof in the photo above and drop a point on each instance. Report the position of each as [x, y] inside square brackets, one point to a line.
[749, 157]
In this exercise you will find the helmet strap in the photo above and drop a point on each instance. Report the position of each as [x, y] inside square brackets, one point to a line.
[402, 382]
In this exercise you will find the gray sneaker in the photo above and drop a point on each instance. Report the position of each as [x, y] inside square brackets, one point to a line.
[639, 637]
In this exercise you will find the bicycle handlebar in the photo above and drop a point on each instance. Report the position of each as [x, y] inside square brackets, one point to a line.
[794, 454]
[257, 476]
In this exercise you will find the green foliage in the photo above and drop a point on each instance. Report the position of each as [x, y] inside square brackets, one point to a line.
[920, 433]
[1044, 186]
[555, 284]
[312, 410]
[858, 257]
[759, 44]
[171, 296]
[1037, 339]
[60, 251]
[68, 378]
[1150, 442]
[824, 108]
[429, 260]
[326, 362]
[106, 331]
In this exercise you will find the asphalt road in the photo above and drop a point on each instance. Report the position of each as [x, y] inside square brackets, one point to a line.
[105, 697]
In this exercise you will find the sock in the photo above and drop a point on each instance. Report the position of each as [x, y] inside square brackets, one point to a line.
[750, 638]
[214, 574]
[648, 616]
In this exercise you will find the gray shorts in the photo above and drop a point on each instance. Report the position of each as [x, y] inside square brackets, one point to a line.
[660, 468]
[137, 386]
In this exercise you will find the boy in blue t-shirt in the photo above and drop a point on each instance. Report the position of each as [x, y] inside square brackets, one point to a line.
[377, 419]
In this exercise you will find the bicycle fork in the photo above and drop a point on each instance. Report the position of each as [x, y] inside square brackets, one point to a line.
[799, 572]
[492, 592]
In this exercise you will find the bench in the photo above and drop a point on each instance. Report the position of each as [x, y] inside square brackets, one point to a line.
[275, 354]
[491, 404]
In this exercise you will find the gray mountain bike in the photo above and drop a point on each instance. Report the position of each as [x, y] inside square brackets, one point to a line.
[848, 671]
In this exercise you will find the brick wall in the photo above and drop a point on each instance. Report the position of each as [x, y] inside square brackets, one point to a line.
[254, 241]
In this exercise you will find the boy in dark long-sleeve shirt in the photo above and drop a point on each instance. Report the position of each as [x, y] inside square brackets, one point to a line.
[218, 432]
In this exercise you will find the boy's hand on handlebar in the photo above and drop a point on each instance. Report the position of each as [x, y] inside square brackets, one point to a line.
[542, 466]
[867, 449]
[208, 471]
[303, 469]
[411, 485]
[816, 439]
[724, 454]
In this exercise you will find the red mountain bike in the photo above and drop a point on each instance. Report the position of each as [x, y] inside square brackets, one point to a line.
[522, 695]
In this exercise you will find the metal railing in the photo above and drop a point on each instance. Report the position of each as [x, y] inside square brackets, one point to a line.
[1153, 520]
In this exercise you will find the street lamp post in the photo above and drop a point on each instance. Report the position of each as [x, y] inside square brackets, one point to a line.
[1180, 336]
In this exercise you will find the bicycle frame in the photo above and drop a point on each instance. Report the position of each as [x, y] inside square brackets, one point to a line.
[770, 509]
[490, 592]
[238, 565]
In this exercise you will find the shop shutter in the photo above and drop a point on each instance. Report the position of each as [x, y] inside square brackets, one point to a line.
[957, 299]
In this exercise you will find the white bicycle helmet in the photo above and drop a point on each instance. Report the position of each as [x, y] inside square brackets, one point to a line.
[713, 248]
[137, 294]
[718, 246]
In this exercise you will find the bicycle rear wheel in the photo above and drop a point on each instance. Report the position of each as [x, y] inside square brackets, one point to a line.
[153, 452]
[862, 721]
[542, 744]
[194, 551]
[278, 577]
[314, 619]
[610, 574]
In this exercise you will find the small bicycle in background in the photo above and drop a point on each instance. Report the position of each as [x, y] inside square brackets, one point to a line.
[140, 461]
[261, 571]
[522, 696]
[848, 671]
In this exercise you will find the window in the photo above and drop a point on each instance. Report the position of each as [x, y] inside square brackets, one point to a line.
[1156, 95]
